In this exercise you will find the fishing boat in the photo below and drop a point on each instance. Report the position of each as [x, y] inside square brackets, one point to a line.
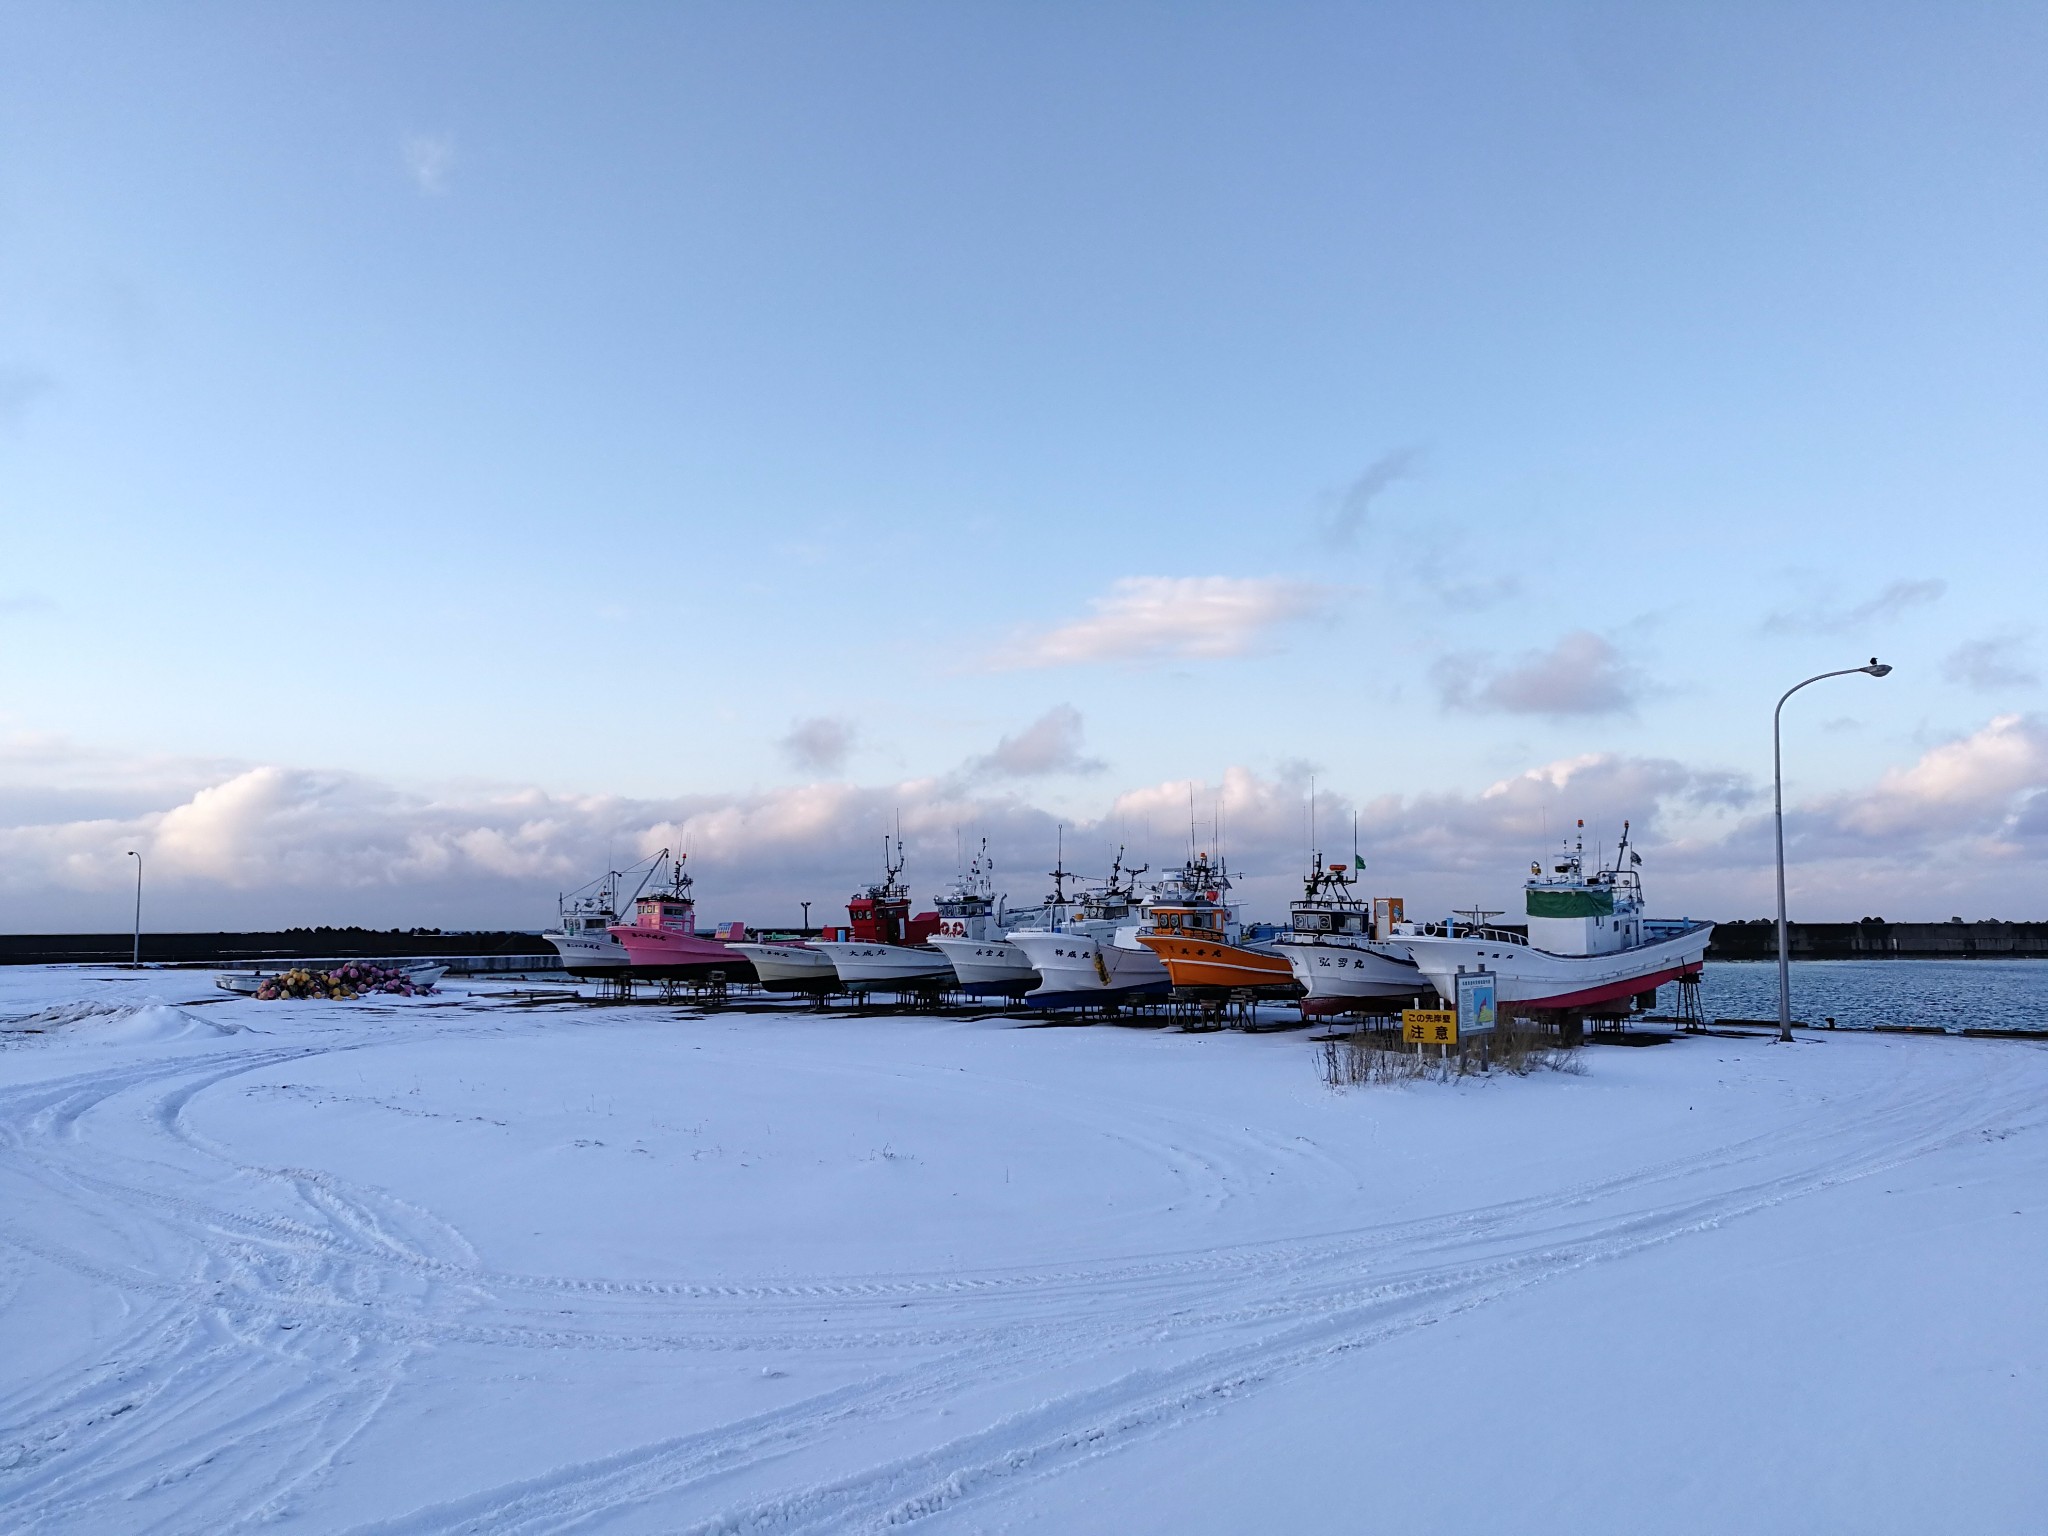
[1588, 944]
[663, 944]
[1332, 945]
[973, 922]
[789, 965]
[1094, 958]
[586, 917]
[888, 948]
[1196, 934]
[986, 960]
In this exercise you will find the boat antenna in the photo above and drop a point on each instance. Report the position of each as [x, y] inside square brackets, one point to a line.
[1315, 854]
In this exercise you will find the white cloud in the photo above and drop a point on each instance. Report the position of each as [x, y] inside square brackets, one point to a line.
[1580, 675]
[1962, 828]
[819, 745]
[1050, 744]
[1152, 618]
[430, 161]
[1975, 786]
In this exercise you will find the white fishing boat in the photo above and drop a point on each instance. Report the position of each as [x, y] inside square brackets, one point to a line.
[583, 936]
[1332, 949]
[789, 965]
[886, 949]
[1094, 957]
[1588, 944]
[863, 967]
[975, 929]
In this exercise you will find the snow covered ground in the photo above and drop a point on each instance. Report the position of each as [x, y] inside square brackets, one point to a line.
[458, 1264]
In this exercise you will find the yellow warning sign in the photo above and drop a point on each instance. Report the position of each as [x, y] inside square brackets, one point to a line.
[1429, 1026]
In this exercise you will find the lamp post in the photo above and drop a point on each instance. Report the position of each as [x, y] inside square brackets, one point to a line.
[138, 904]
[807, 916]
[1875, 669]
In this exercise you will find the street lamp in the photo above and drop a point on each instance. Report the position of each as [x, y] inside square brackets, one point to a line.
[1875, 669]
[138, 904]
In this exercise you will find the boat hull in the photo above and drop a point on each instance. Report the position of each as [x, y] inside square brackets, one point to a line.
[1210, 965]
[1535, 978]
[989, 967]
[790, 967]
[864, 967]
[589, 954]
[1083, 971]
[1338, 975]
[662, 954]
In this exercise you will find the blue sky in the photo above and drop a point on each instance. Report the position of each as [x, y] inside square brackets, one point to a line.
[511, 434]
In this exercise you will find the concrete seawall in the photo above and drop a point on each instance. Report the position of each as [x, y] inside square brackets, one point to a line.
[1757, 939]
[502, 950]
[1752, 939]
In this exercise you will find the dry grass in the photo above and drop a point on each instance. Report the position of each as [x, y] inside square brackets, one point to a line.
[1517, 1048]
[1521, 1049]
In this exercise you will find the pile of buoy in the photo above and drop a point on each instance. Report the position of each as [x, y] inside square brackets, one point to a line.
[356, 979]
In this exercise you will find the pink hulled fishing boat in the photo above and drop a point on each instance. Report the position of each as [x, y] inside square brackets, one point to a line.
[662, 942]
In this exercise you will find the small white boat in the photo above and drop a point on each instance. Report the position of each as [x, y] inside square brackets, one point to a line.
[583, 936]
[1331, 948]
[863, 967]
[1079, 968]
[1588, 943]
[1094, 958]
[1338, 970]
[988, 967]
[886, 947]
[792, 965]
[973, 920]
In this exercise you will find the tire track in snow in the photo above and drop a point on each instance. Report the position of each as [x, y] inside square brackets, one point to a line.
[1333, 1316]
[219, 1411]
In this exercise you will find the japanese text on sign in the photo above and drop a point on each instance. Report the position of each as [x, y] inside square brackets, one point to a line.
[1429, 1026]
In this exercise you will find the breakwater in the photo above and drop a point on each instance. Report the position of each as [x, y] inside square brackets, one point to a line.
[1750, 939]
[288, 944]
[1875, 939]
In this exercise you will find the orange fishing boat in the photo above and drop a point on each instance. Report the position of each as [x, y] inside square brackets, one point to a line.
[1196, 933]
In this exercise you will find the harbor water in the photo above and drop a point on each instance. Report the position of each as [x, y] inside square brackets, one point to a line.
[1860, 994]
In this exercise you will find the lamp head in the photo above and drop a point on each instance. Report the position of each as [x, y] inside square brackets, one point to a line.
[1876, 668]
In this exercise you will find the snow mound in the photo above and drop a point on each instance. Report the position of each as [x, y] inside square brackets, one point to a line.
[118, 1023]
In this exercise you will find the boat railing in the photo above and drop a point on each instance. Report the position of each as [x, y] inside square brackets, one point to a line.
[1671, 927]
[1480, 932]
